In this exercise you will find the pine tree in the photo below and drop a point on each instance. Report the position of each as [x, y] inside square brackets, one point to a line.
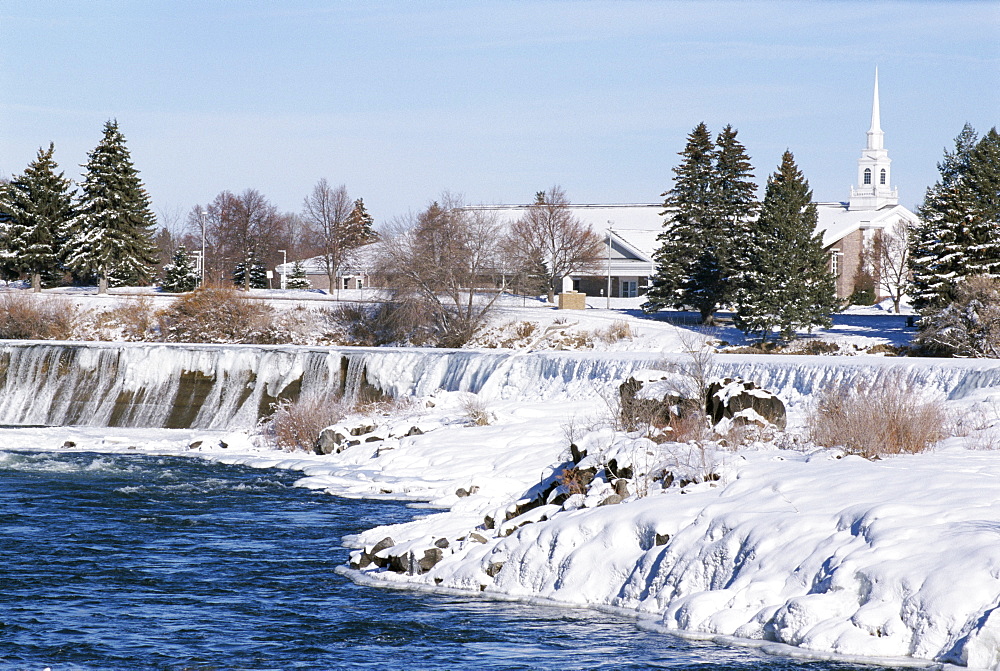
[113, 230]
[959, 232]
[783, 284]
[258, 274]
[360, 224]
[37, 207]
[688, 210]
[297, 278]
[180, 275]
[713, 196]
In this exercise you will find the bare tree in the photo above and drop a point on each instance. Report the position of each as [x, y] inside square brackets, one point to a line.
[445, 258]
[892, 259]
[549, 235]
[241, 229]
[333, 231]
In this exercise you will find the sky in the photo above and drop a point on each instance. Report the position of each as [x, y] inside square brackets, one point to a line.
[400, 101]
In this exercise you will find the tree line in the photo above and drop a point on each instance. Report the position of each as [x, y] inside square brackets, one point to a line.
[721, 247]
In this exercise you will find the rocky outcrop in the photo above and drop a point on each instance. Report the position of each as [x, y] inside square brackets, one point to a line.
[743, 402]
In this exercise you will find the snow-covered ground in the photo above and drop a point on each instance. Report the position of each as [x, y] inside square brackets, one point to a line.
[772, 541]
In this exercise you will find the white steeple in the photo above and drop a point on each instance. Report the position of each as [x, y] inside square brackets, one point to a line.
[874, 189]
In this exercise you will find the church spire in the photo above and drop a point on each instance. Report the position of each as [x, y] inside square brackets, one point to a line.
[875, 135]
[874, 189]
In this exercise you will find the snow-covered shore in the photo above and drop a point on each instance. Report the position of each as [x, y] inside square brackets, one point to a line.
[784, 544]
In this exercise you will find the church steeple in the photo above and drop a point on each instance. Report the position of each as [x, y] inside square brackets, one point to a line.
[874, 188]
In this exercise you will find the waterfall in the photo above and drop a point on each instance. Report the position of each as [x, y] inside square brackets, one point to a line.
[232, 386]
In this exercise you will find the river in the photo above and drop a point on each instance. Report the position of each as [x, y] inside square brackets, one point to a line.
[136, 562]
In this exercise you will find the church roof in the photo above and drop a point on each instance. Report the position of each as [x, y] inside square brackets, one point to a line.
[837, 221]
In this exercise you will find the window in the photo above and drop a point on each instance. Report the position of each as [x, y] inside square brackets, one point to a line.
[881, 177]
[629, 289]
[835, 264]
[868, 175]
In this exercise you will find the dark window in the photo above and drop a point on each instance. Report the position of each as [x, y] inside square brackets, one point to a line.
[868, 175]
[881, 177]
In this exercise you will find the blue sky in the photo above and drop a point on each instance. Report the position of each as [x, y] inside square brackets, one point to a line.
[493, 100]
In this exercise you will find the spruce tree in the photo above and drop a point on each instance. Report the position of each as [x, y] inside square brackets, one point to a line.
[713, 196]
[783, 283]
[958, 233]
[297, 279]
[360, 224]
[687, 215]
[112, 235]
[37, 207]
[258, 274]
[180, 275]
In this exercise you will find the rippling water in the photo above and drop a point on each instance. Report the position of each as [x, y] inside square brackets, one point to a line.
[138, 562]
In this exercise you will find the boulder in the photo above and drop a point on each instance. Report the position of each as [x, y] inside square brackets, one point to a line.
[743, 402]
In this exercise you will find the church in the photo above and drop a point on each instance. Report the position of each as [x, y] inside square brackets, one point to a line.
[630, 231]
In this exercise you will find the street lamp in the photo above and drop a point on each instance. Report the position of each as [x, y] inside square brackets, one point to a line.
[201, 216]
[284, 262]
[611, 232]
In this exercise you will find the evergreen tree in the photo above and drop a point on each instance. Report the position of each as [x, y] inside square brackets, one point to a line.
[258, 274]
[113, 231]
[360, 224]
[959, 232]
[37, 207]
[180, 275]
[712, 197]
[297, 278]
[783, 283]
[688, 207]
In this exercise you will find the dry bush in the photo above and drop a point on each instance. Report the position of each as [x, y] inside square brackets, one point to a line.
[132, 320]
[618, 330]
[476, 410]
[573, 480]
[386, 323]
[875, 419]
[217, 315]
[26, 316]
[295, 425]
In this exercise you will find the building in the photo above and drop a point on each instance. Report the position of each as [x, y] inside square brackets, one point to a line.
[355, 270]
[849, 227]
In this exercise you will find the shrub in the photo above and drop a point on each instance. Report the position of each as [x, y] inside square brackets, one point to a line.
[969, 326]
[217, 315]
[131, 320]
[475, 410]
[387, 323]
[26, 316]
[618, 330]
[295, 425]
[875, 419]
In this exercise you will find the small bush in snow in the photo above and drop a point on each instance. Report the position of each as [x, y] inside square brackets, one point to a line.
[295, 425]
[476, 410]
[218, 315]
[132, 320]
[618, 330]
[969, 326]
[26, 316]
[876, 419]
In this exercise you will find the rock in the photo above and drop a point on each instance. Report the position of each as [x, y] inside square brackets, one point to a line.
[661, 539]
[362, 430]
[223, 444]
[441, 543]
[621, 487]
[329, 441]
[479, 538]
[611, 500]
[414, 431]
[69, 443]
[577, 454]
[743, 402]
[430, 559]
[614, 470]
[193, 446]
[373, 439]
[494, 568]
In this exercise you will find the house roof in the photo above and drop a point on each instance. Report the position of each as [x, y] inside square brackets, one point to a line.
[837, 221]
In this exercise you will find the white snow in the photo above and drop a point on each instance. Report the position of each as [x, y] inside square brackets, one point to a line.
[814, 549]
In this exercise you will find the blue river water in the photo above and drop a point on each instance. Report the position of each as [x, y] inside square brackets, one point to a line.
[131, 562]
